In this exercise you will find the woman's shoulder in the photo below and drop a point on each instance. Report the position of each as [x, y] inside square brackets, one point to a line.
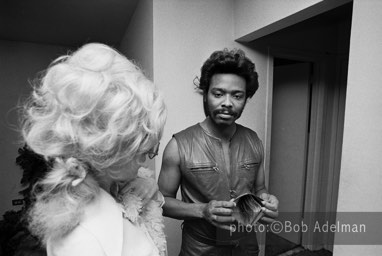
[103, 207]
[104, 220]
[78, 242]
[100, 229]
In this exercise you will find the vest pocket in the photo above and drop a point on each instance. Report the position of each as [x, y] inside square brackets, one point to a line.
[247, 166]
[205, 178]
[203, 168]
[248, 172]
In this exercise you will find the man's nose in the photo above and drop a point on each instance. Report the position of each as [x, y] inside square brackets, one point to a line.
[227, 101]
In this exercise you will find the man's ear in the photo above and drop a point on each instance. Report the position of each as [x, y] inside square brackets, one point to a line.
[245, 103]
[205, 108]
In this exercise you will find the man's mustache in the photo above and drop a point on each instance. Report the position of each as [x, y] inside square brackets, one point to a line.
[225, 111]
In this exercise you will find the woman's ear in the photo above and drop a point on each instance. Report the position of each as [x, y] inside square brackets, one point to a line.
[141, 160]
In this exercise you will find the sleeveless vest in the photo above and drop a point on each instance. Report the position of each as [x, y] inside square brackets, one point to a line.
[205, 175]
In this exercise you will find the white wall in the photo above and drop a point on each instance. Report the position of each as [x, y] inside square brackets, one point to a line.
[137, 43]
[185, 34]
[19, 62]
[361, 175]
[251, 15]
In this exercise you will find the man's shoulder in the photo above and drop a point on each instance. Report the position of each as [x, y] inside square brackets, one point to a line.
[187, 131]
[247, 131]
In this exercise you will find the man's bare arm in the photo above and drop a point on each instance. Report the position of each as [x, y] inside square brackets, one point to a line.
[169, 182]
[216, 212]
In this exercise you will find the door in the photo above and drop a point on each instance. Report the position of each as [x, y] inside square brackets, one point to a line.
[289, 142]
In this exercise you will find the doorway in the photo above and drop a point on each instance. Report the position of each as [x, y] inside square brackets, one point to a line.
[305, 146]
[290, 129]
[306, 89]
[290, 139]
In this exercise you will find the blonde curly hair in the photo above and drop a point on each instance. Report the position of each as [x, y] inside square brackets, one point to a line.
[93, 111]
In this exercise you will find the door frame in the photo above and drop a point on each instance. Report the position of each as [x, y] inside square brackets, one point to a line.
[315, 139]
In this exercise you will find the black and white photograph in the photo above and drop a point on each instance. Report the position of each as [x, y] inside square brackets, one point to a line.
[190, 127]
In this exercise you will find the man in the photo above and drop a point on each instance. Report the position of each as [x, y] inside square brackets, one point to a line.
[215, 161]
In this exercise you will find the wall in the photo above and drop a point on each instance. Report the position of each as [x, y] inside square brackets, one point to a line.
[137, 43]
[185, 34]
[19, 62]
[361, 176]
[251, 15]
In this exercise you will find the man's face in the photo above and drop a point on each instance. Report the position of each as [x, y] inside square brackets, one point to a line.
[226, 98]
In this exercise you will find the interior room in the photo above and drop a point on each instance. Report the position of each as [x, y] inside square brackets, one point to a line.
[319, 92]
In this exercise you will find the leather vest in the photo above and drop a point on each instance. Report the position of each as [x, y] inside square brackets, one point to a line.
[204, 172]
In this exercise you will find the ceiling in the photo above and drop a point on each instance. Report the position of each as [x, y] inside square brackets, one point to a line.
[65, 22]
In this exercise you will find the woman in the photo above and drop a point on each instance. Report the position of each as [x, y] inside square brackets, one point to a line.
[94, 117]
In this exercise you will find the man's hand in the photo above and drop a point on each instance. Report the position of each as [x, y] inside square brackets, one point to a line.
[219, 213]
[270, 209]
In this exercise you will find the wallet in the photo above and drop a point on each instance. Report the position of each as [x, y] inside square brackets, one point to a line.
[248, 209]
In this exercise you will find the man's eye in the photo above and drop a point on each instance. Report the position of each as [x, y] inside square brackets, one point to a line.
[218, 95]
[238, 96]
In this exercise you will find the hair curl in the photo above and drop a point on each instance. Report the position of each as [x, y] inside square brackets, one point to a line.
[96, 106]
[228, 62]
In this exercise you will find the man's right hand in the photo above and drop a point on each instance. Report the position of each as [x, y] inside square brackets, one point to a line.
[219, 213]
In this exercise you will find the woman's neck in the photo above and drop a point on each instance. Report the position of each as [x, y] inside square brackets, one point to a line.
[106, 184]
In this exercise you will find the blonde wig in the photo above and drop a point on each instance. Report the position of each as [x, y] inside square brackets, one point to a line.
[92, 112]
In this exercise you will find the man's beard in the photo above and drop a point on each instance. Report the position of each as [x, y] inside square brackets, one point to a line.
[235, 115]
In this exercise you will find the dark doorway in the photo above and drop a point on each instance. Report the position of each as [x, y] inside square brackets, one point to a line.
[308, 63]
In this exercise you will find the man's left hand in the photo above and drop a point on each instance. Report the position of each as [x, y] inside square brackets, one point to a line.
[270, 209]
